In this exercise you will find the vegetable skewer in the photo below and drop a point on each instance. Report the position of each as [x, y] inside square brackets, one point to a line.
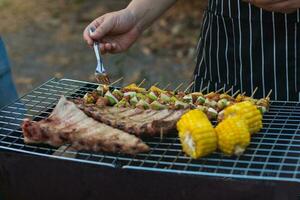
[155, 98]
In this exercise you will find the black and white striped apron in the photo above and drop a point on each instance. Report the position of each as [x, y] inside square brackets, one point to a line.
[246, 47]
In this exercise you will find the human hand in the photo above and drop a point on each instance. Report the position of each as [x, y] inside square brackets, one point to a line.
[283, 6]
[115, 31]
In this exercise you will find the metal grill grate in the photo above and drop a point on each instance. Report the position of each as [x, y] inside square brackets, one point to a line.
[274, 153]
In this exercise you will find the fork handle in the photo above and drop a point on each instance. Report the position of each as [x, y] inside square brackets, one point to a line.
[96, 49]
[97, 52]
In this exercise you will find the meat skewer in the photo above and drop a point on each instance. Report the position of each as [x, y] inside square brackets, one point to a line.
[157, 99]
[67, 124]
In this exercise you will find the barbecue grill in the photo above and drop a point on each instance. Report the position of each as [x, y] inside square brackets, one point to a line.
[269, 168]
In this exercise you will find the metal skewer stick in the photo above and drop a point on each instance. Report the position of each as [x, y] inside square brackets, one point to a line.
[253, 93]
[189, 86]
[142, 82]
[166, 87]
[116, 81]
[178, 87]
[268, 96]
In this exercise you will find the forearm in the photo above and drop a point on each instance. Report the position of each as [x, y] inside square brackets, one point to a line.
[147, 11]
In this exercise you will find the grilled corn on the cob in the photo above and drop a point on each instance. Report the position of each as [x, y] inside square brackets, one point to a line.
[196, 133]
[249, 112]
[233, 136]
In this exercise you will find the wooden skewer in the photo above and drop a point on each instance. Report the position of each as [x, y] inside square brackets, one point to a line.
[235, 93]
[219, 90]
[203, 89]
[253, 93]
[161, 133]
[189, 86]
[142, 82]
[269, 94]
[155, 84]
[177, 88]
[116, 81]
[166, 87]
[231, 89]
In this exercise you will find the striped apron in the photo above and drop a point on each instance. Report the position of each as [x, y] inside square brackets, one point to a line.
[246, 47]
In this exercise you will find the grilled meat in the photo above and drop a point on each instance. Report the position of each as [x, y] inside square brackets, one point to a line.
[134, 120]
[69, 125]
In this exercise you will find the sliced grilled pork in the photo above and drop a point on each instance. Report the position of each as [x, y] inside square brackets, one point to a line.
[69, 125]
[134, 120]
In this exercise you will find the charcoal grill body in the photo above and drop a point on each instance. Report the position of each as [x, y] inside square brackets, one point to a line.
[36, 178]
[268, 169]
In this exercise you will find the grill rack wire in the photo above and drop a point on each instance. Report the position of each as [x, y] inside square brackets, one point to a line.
[274, 152]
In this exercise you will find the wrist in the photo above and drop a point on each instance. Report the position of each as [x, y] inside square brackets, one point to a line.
[146, 12]
[137, 17]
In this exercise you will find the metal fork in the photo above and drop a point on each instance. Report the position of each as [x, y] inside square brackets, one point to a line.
[100, 73]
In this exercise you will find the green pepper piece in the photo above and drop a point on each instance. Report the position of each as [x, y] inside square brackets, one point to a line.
[201, 100]
[131, 94]
[134, 101]
[142, 104]
[152, 96]
[188, 98]
[111, 98]
[181, 105]
[155, 105]
[165, 98]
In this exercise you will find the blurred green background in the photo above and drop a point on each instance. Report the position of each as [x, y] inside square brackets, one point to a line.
[44, 39]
